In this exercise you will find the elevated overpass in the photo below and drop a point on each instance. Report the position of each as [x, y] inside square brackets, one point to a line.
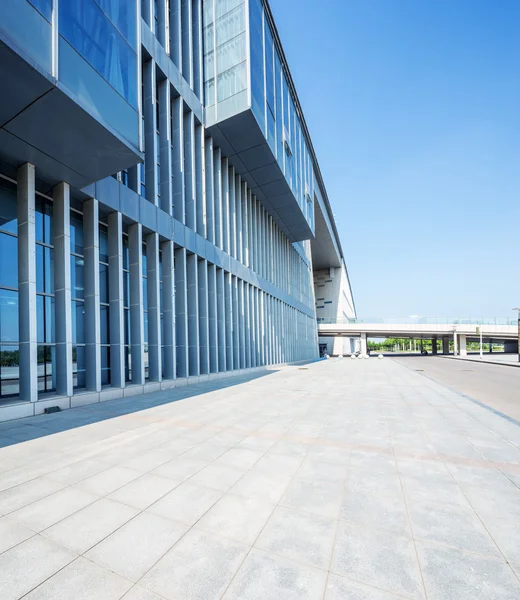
[437, 328]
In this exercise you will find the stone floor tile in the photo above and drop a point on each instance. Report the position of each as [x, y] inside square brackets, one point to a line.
[152, 535]
[108, 481]
[186, 503]
[89, 526]
[82, 580]
[240, 458]
[300, 536]
[264, 576]
[49, 510]
[140, 593]
[180, 468]
[319, 498]
[377, 558]
[218, 476]
[27, 565]
[198, 567]
[144, 491]
[237, 518]
[452, 526]
[78, 471]
[12, 533]
[149, 460]
[340, 588]
[321, 472]
[21, 495]
[454, 575]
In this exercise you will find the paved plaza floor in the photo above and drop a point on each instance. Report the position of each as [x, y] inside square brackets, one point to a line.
[342, 480]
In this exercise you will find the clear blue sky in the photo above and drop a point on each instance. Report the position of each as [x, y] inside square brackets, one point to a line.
[414, 111]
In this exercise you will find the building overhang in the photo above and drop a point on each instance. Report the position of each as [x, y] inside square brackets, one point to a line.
[244, 144]
[43, 124]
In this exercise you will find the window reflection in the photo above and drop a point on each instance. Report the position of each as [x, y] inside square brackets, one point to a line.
[85, 26]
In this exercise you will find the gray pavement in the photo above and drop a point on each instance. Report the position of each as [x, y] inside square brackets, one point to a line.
[356, 480]
[497, 386]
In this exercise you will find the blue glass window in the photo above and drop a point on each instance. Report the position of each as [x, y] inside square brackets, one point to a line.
[85, 26]
[8, 316]
[8, 261]
[44, 7]
[122, 13]
[8, 207]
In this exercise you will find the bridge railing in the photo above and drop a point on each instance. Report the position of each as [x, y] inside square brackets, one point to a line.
[425, 321]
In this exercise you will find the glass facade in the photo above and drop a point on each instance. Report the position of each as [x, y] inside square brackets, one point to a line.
[100, 41]
[77, 285]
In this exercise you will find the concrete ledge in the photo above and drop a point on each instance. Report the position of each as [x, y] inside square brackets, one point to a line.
[133, 390]
[111, 394]
[482, 362]
[17, 411]
[62, 401]
[168, 384]
[83, 399]
[181, 381]
[151, 386]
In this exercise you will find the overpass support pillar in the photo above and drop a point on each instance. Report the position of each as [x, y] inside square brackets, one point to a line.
[445, 345]
[363, 343]
[455, 344]
[434, 346]
[462, 345]
[491, 346]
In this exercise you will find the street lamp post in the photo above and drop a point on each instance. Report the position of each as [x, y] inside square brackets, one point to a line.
[518, 311]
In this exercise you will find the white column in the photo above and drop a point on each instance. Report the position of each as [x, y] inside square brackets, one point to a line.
[248, 331]
[462, 345]
[455, 344]
[241, 324]
[92, 306]
[28, 361]
[229, 320]
[168, 307]
[154, 308]
[189, 171]
[116, 299]
[363, 343]
[200, 179]
[204, 348]
[135, 252]
[221, 320]
[181, 312]
[213, 318]
[217, 191]
[238, 218]
[210, 195]
[236, 326]
[178, 158]
[62, 291]
[193, 315]
[165, 130]
[232, 213]
[150, 130]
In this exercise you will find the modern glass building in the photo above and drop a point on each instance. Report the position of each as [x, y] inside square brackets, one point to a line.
[161, 205]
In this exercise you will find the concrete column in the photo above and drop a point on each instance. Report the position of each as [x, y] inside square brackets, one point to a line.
[200, 179]
[28, 359]
[181, 312]
[229, 320]
[363, 343]
[204, 348]
[247, 231]
[225, 205]
[232, 213]
[154, 308]
[92, 306]
[187, 41]
[176, 33]
[168, 309]
[434, 346]
[165, 131]
[491, 346]
[62, 291]
[217, 193]
[213, 318]
[238, 218]
[221, 320]
[161, 33]
[455, 344]
[462, 345]
[179, 209]
[197, 49]
[241, 324]
[135, 254]
[150, 131]
[236, 323]
[247, 323]
[193, 315]
[210, 184]
[116, 299]
[189, 171]
[445, 345]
